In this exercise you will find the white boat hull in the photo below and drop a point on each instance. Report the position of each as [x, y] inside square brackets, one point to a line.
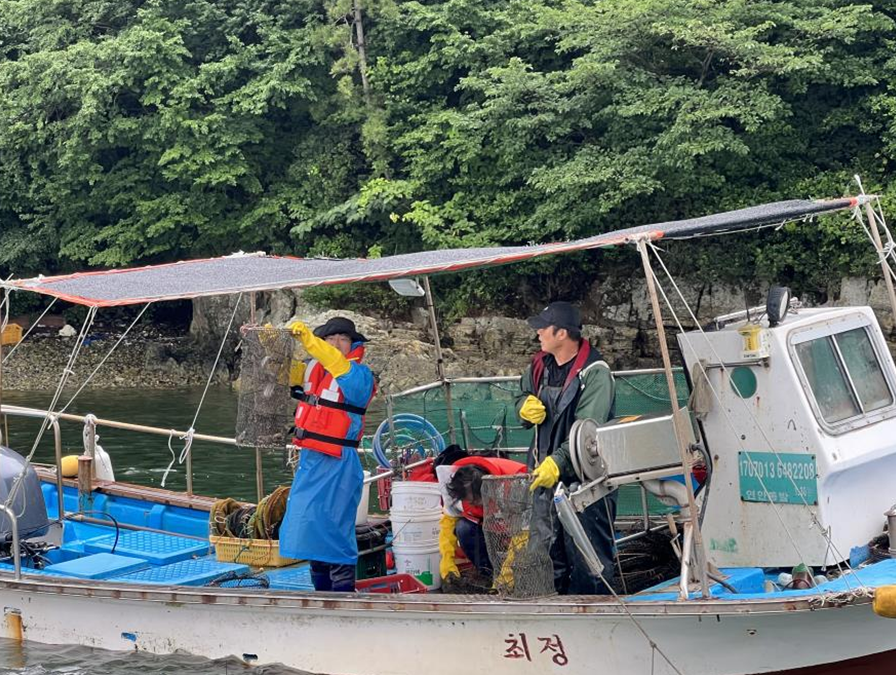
[370, 635]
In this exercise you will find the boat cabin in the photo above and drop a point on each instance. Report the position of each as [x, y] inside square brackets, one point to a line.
[802, 415]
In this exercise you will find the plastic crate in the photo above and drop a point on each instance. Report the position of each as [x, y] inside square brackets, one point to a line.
[254, 552]
[396, 583]
[12, 334]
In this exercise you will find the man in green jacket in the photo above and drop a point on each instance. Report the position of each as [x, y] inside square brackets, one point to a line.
[566, 381]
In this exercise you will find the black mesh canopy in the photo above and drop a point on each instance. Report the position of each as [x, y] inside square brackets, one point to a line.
[259, 272]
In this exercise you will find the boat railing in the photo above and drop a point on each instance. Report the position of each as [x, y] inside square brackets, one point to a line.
[54, 419]
[16, 552]
[638, 513]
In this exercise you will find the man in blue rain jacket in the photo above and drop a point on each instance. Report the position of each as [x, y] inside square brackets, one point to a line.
[319, 525]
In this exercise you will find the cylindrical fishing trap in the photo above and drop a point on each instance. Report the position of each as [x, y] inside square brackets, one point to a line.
[265, 412]
[517, 541]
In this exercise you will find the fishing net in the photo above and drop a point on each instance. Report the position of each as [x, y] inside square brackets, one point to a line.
[645, 562]
[265, 410]
[518, 541]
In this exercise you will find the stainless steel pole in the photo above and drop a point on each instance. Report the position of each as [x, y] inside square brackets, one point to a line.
[16, 554]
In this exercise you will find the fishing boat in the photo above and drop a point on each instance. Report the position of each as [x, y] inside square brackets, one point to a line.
[784, 563]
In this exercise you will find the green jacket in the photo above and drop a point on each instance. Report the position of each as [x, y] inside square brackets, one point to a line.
[589, 395]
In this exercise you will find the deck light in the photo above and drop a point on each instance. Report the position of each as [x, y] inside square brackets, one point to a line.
[778, 304]
[407, 287]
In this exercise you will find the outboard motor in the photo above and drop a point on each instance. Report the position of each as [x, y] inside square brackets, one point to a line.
[28, 504]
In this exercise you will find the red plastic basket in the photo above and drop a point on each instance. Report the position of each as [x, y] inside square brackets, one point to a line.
[395, 583]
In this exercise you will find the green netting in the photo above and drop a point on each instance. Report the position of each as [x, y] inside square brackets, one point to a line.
[647, 393]
[483, 413]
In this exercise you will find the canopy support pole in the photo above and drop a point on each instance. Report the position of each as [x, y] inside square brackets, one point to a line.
[678, 421]
[259, 471]
[440, 364]
[884, 265]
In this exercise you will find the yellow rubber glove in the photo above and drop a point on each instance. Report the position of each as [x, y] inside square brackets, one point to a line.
[297, 373]
[300, 330]
[504, 578]
[327, 355]
[545, 475]
[447, 546]
[533, 410]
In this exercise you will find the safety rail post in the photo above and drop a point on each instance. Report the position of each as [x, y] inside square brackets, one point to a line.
[16, 552]
[189, 471]
[90, 427]
[85, 482]
[57, 451]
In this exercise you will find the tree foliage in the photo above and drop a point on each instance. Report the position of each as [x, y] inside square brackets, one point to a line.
[144, 131]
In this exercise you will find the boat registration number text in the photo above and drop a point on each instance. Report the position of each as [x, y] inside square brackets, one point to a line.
[782, 478]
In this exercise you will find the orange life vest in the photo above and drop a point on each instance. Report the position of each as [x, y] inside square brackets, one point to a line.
[324, 421]
[493, 466]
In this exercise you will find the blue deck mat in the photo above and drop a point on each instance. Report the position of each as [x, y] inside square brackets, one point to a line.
[97, 566]
[183, 573]
[154, 547]
[291, 578]
[872, 576]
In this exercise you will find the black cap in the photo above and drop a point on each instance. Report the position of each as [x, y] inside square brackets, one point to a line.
[560, 314]
[339, 325]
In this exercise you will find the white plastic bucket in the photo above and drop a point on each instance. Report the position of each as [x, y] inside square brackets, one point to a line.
[420, 561]
[415, 529]
[415, 496]
[364, 504]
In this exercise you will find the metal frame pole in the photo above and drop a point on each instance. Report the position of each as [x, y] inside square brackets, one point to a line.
[259, 475]
[189, 472]
[57, 447]
[678, 421]
[390, 412]
[440, 364]
[259, 470]
[16, 553]
[91, 445]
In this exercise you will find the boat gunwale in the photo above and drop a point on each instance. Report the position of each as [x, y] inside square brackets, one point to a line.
[446, 604]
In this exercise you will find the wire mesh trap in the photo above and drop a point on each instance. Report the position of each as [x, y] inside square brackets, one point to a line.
[265, 409]
[517, 540]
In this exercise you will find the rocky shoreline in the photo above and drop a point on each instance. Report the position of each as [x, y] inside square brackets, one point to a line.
[402, 354]
[147, 359]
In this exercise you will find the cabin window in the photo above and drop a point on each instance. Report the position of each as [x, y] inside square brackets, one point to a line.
[844, 374]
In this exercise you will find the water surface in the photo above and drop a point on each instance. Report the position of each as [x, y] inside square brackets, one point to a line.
[37, 659]
[218, 470]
